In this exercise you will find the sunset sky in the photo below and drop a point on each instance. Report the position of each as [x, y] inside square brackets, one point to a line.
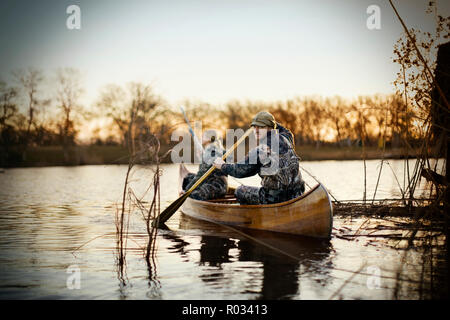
[213, 50]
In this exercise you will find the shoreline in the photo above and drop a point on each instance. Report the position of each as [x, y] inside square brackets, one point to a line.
[108, 155]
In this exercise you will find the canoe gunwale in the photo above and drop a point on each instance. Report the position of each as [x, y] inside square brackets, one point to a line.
[257, 206]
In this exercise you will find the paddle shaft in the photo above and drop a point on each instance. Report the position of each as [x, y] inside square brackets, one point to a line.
[194, 136]
[229, 151]
[170, 210]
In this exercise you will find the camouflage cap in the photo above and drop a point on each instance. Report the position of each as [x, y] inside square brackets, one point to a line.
[264, 119]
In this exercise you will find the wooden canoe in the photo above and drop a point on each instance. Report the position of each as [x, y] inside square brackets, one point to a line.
[311, 214]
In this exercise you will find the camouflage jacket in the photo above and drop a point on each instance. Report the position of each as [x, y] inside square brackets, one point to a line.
[276, 162]
[211, 152]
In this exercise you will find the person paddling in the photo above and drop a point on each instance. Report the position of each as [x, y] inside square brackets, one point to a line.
[274, 160]
[215, 186]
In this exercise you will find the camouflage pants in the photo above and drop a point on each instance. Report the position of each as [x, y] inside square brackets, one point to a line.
[248, 195]
[258, 195]
[212, 188]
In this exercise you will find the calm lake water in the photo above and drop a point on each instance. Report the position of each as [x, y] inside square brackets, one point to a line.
[57, 227]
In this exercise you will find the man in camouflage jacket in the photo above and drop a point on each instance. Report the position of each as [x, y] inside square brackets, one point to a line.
[215, 186]
[278, 169]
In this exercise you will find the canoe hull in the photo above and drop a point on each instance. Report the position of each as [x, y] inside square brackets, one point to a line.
[308, 215]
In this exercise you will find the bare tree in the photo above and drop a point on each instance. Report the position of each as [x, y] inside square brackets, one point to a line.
[312, 120]
[8, 107]
[335, 110]
[416, 53]
[239, 114]
[131, 110]
[30, 82]
[112, 105]
[68, 92]
[285, 113]
[8, 110]
[360, 111]
[209, 115]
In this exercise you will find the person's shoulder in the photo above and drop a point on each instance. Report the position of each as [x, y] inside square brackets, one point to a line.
[285, 133]
[281, 128]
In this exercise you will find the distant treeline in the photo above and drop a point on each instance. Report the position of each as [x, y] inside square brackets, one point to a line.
[32, 116]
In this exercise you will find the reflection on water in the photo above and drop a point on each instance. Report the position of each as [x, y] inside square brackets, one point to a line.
[57, 217]
[280, 258]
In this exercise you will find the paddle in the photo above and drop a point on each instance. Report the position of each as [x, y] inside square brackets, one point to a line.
[170, 210]
[199, 148]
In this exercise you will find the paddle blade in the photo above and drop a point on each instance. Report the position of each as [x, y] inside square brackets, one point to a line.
[170, 210]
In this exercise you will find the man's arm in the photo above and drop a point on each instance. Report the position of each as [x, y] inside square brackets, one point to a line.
[201, 171]
[241, 169]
